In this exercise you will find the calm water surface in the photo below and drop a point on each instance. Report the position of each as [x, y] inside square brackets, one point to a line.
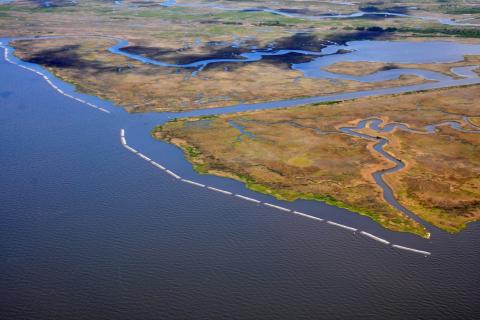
[90, 231]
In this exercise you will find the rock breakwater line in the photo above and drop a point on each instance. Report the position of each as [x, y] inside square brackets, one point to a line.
[258, 202]
[50, 83]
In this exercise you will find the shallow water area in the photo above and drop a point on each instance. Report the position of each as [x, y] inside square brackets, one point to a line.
[359, 51]
[389, 52]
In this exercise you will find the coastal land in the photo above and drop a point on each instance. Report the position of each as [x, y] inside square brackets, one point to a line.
[187, 32]
[362, 68]
[139, 87]
[302, 153]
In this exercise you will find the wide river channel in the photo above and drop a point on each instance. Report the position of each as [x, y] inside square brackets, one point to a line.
[89, 230]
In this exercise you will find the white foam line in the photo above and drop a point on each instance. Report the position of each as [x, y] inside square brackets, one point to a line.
[122, 132]
[124, 142]
[194, 183]
[246, 198]
[220, 190]
[276, 207]
[173, 174]
[412, 250]
[341, 226]
[157, 165]
[144, 157]
[307, 216]
[371, 236]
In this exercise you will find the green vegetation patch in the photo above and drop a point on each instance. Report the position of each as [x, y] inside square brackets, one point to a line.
[427, 32]
[461, 10]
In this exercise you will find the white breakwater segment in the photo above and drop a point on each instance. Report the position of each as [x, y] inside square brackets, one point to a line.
[307, 216]
[426, 253]
[371, 236]
[220, 190]
[298, 213]
[157, 165]
[122, 138]
[144, 157]
[194, 183]
[341, 226]
[130, 149]
[247, 198]
[173, 174]
[50, 83]
[276, 207]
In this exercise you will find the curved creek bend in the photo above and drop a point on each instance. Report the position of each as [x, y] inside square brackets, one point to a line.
[376, 126]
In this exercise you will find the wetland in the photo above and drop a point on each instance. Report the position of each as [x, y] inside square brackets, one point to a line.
[362, 114]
